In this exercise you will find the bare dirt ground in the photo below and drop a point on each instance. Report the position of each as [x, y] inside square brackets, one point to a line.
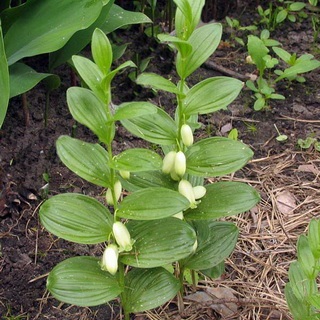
[287, 177]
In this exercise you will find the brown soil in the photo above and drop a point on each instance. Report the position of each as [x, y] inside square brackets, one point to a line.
[257, 269]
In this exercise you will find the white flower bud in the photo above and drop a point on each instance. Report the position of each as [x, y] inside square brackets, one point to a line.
[249, 60]
[122, 236]
[199, 192]
[180, 164]
[186, 135]
[125, 174]
[178, 215]
[195, 246]
[186, 189]
[117, 191]
[110, 259]
[168, 162]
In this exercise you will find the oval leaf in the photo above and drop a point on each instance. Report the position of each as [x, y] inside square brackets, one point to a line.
[4, 81]
[159, 242]
[130, 110]
[76, 217]
[211, 95]
[146, 289]
[45, 26]
[152, 203]
[156, 128]
[217, 156]
[101, 51]
[137, 159]
[89, 161]
[223, 199]
[216, 241]
[81, 281]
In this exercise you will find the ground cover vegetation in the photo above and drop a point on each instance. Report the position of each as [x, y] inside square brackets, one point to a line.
[159, 203]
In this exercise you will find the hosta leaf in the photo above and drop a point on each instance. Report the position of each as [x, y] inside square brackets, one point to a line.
[157, 82]
[223, 199]
[204, 42]
[137, 159]
[130, 110]
[152, 203]
[216, 156]
[81, 281]
[146, 289]
[216, 241]
[4, 81]
[211, 95]
[90, 111]
[156, 128]
[76, 217]
[45, 26]
[146, 179]
[89, 161]
[159, 242]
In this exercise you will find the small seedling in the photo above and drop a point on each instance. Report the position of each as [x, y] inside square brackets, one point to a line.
[280, 137]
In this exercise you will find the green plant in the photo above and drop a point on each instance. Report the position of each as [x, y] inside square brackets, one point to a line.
[302, 294]
[308, 142]
[280, 137]
[168, 219]
[66, 28]
[279, 12]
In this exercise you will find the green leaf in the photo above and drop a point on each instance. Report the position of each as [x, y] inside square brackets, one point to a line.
[79, 40]
[119, 17]
[157, 82]
[146, 289]
[211, 95]
[216, 156]
[77, 218]
[204, 42]
[90, 111]
[215, 272]
[216, 241]
[296, 6]
[306, 258]
[314, 237]
[301, 67]
[101, 51]
[23, 78]
[4, 81]
[184, 47]
[152, 203]
[301, 286]
[137, 159]
[259, 104]
[157, 128]
[282, 54]
[257, 50]
[159, 242]
[223, 199]
[315, 300]
[80, 281]
[130, 110]
[91, 75]
[299, 310]
[146, 179]
[45, 26]
[281, 16]
[89, 161]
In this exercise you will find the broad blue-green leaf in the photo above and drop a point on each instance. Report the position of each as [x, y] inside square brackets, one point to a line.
[146, 289]
[90, 111]
[101, 51]
[91, 75]
[137, 159]
[89, 161]
[152, 203]
[299, 310]
[215, 272]
[159, 242]
[216, 241]
[223, 199]
[45, 26]
[80, 281]
[130, 110]
[217, 156]
[23, 78]
[4, 81]
[156, 128]
[79, 40]
[204, 42]
[77, 218]
[147, 179]
[156, 82]
[211, 95]
[119, 17]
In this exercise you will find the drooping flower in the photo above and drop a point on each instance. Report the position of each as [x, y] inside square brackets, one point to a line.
[122, 236]
[186, 135]
[180, 163]
[110, 259]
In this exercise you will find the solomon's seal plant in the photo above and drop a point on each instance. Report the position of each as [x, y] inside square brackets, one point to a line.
[169, 217]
